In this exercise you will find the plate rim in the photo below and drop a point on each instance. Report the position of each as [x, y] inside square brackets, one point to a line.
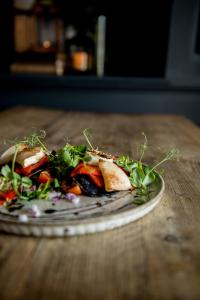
[85, 226]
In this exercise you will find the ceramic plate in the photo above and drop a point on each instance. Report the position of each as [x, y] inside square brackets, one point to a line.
[90, 215]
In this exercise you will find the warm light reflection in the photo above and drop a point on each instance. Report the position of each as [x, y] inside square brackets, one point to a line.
[46, 44]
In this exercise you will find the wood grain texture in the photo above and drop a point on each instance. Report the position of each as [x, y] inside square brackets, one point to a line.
[155, 258]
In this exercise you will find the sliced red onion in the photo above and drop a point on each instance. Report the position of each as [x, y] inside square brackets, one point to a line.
[56, 199]
[36, 211]
[76, 200]
[33, 211]
[33, 188]
[72, 197]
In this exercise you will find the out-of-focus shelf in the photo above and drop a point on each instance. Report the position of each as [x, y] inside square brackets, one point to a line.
[28, 68]
[43, 81]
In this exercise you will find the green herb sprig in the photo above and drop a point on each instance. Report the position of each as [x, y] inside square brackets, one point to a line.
[68, 158]
[33, 140]
[11, 180]
[140, 175]
[86, 134]
[41, 192]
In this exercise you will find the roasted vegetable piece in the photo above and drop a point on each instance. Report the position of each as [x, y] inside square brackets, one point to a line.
[75, 190]
[28, 170]
[71, 186]
[83, 168]
[9, 195]
[66, 184]
[44, 177]
[97, 180]
[87, 186]
[92, 171]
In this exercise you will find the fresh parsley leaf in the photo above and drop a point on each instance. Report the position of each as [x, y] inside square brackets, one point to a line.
[126, 163]
[56, 183]
[12, 180]
[149, 178]
[6, 171]
[67, 158]
[140, 175]
[26, 182]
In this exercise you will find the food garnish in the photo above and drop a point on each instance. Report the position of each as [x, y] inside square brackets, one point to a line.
[30, 171]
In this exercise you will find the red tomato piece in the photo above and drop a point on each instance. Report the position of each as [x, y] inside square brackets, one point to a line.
[2, 202]
[44, 177]
[9, 195]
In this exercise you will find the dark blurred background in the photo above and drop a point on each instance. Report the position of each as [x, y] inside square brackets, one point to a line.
[127, 56]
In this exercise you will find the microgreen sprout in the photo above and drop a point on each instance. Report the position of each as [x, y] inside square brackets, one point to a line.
[14, 157]
[86, 135]
[142, 148]
[170, 155]
[63, 161]
[34, 139]
[140, 175]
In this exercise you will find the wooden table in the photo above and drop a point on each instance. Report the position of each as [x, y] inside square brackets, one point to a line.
[157, 257]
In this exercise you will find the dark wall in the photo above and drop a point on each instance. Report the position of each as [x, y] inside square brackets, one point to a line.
[6, 35]
[183, 63]
[136, 100]
[178, 92]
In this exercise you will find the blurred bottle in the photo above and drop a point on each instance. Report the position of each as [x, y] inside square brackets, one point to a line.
[60, 60]
[50, 33]
[101, 45]
[80, 59]
[48, 25]
[79, 47]
[70, 34]
[60, 64]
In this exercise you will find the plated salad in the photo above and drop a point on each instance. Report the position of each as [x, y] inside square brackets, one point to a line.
[29, 171]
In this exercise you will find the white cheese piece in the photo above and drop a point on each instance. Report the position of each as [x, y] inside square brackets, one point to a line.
[29, 157]
[33, 159]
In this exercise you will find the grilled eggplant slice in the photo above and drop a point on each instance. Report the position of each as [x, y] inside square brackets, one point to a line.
[87, 186]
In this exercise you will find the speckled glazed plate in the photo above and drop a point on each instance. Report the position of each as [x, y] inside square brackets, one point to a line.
[90, 215]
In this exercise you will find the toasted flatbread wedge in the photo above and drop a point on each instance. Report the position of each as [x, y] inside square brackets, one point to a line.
[115, 179]
[94, 158]
[29, 156]
[7, 156]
